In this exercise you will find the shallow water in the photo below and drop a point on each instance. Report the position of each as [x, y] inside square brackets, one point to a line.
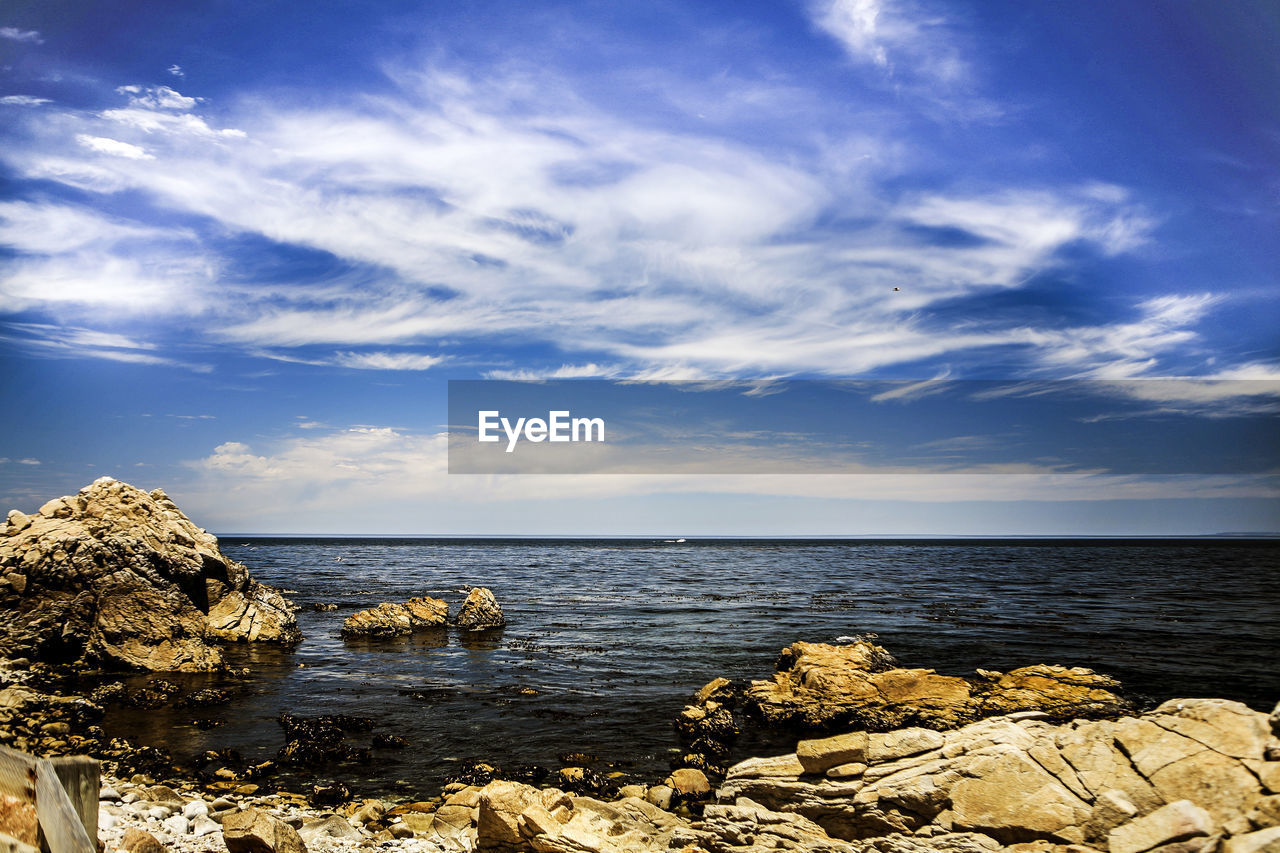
[607, 639]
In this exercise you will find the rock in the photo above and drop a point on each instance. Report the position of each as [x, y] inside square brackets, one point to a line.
[255, 831]
[393, 620]
[816, 756]
[1263, 841]
[177, 824]
[480, 611]
[140, 841]
[332, 826]
[1019, 780]
[195, 809]
[117, 578]
[820, 687]
[1178, 821]
[689, 783]
[203, 826]
[660, 796]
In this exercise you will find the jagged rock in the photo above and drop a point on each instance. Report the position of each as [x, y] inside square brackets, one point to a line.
[480, 611]
[114, 577]
[1017, 779]
[332, 826]
[255, 831]
[821, 687]
[393, 620]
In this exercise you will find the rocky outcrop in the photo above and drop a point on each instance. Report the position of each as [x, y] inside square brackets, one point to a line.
[1190, 773]
[820, 687]
[115, 577]
[393, 620]
[480, 611]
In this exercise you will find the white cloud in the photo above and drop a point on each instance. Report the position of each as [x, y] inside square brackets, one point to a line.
[901, 38]
[176, 71]
[28, 461]
[114, 147]
[386, 360]
[659, 254]
[24, 101]
[853, 23]
[369, 471]
[157, 97]
[15, 34]
[564, 371]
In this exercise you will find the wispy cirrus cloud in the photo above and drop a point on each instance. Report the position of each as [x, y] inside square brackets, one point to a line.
[23, 101]
[21, 35]
[507, 209]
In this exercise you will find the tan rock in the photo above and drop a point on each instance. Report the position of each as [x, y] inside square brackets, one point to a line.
[901, 744]
[1178, 821]
[689, 782]
[140, 841]
[115, 577]
[256, 831]
[820, 754]
[1008, 795]
[819, 686]
[480, 611]
[1262, 841]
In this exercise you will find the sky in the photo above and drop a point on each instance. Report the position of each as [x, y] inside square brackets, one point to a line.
[245, 247]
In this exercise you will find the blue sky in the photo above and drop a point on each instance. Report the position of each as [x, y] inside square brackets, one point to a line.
[243, 248]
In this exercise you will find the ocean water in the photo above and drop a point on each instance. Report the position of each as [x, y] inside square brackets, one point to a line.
[607, 639]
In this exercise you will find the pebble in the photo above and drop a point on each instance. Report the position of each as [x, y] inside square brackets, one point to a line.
[108, 793]
[195, 809]
[131, 797]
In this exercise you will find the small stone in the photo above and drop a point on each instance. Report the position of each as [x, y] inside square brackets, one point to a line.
[222, 804]
[195, 809]
[631, 791]
[109, 793]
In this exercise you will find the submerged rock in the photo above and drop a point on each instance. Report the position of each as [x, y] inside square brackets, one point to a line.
[115, 577]
[821, 687]
[480, 611]
[394, 620]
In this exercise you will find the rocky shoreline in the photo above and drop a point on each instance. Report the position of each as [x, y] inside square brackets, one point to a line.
[1040, 759]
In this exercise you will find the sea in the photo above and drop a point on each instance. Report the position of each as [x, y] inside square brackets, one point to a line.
[608, 639]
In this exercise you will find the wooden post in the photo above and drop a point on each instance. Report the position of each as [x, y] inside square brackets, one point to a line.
[63, 827]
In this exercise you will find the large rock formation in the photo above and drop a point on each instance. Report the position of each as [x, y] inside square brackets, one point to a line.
[114, 577]
[1190, 773]
[1193, 776]
[393, 620]
[821, 687]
